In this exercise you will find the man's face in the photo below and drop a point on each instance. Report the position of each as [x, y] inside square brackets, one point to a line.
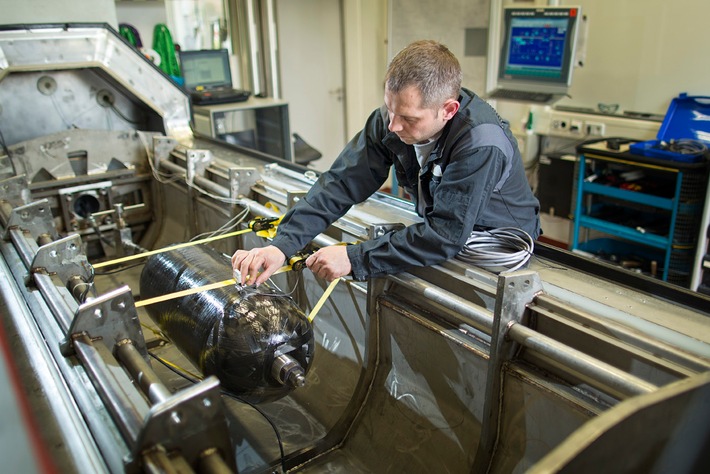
[410, 121]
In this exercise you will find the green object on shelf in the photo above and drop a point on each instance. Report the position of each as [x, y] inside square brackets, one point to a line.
[163, 45]
[127, 33]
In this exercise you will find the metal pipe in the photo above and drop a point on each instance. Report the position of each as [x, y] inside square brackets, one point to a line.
[213, 463]
[302, 176]
[77, 287]
[142, 372]
[288, 371]
[269, 48]
[599, 374]
[260, 210]
[200, 181]
[173, 168]
[253, 46]
[63, 314]
[126, 415]
[655, 342]
[5, 212]
[211, 186]
[26, 248]
[44, 239]
[55, 388]
[481, 318]
[156, 460]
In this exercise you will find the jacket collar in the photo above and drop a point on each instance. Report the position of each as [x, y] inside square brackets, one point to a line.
[404, 151]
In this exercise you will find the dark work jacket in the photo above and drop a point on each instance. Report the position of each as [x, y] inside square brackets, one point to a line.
[474, 177]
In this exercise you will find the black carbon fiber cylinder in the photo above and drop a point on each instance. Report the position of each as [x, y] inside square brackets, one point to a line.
[232, 333]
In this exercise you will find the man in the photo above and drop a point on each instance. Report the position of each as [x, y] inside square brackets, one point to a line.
[451, 152]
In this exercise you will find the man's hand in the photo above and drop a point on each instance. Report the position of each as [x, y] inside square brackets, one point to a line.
[330, 263]
[249, 263]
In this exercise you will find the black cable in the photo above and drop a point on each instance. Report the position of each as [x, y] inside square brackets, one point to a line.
[94, 225]
[120, 269]
[273, 426]
[235, 397]
[7, 152]
[89, 286]
[684, 146]
[120, 114]
[4, 146]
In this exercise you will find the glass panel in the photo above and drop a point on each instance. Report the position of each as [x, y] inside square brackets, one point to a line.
[198, 24]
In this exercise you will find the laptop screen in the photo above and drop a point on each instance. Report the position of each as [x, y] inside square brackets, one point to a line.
[205, 69]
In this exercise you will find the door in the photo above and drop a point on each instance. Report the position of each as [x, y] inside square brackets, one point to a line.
[311, 71]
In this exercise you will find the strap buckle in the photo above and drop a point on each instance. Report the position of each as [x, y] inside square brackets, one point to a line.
[298, 261]
[262, 223]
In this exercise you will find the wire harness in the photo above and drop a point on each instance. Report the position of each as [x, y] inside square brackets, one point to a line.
[502, 249]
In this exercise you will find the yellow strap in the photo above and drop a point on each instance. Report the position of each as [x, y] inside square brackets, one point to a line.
[167, 249]
[232, 281]
[322, 300]
[199, 289]
[189, 291]
[271, 232]
[326, 293]
[177, 367]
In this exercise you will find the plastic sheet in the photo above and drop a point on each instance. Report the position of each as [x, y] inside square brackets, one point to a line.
[232, 333]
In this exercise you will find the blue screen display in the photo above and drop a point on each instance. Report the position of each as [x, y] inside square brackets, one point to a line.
[537, 46]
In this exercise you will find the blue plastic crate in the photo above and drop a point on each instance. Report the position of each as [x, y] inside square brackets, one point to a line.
[687, 121]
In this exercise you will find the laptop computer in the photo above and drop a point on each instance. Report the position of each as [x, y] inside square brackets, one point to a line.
[208, 77]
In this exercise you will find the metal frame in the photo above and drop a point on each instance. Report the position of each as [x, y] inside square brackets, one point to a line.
[101, 333]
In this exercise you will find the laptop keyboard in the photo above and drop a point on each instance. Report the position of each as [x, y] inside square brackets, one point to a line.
[219, 96]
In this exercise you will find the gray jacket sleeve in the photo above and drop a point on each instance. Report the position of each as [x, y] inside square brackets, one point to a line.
[459, 199]
[360, 170]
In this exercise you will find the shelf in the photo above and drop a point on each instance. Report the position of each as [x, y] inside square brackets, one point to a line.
[631, 196]
[668, 192]
[627, 233]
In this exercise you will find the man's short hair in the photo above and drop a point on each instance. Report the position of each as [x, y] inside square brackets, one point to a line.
[429, 66]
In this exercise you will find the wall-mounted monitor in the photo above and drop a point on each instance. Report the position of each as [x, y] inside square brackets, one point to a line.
[537, 50]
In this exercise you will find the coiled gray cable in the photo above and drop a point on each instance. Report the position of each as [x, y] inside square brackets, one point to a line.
[505, 248]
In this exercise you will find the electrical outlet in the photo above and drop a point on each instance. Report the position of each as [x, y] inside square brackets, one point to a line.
[595, 129]
[559, 124]
[576, 126]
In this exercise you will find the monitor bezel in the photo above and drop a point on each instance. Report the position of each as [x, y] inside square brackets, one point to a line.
[222, 54]
[539, 83]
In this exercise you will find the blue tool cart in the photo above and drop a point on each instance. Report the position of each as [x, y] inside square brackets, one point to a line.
[684, 134]
[640, 212]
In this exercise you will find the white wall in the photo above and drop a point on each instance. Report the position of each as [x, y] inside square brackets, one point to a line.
[53, 11]
[640, 54]
[143, 16]
[445, 21]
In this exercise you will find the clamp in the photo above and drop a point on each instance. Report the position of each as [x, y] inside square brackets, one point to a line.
[298, 261]
[262, 223]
